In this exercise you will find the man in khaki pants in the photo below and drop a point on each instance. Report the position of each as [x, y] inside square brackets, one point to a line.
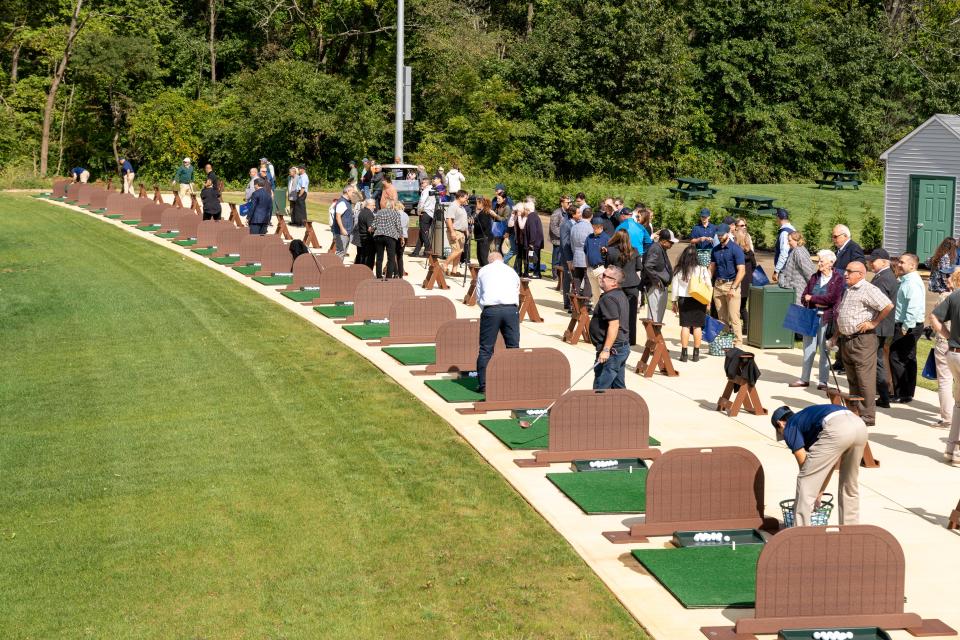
[727, 268]
[819, 436]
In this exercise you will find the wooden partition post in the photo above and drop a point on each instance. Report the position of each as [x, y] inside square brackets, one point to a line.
[579, 326]
[528, 306]
[655, 353]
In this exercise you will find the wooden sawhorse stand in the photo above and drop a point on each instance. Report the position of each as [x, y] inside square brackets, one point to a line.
[434, 274]
[579, 326]
[282, 230]
[310, 237]
[471, 298]
[852, 403]
[655, 353]
[528, 306]
[746, 397]
[235, 216]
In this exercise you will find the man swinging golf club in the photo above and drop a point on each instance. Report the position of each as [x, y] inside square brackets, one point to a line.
[819, 436]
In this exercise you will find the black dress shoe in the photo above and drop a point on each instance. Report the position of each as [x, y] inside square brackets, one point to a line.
[902, 400]
[883, 405]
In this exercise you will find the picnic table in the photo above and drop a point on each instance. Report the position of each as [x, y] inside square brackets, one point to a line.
[839, 179]
[752, 205]
[692, 188]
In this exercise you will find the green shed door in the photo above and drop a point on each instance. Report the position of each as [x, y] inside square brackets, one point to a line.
[931, 213]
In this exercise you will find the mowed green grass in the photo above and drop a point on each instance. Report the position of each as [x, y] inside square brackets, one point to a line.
[181, 458]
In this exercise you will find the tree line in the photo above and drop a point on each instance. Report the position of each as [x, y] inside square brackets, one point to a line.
[633, 90]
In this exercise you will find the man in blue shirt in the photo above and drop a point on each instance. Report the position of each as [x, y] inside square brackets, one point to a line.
[639, 236]
[908, 313]
[819, 437]
[727, 270]
[702, 235]
[594, 247]
[128, 175]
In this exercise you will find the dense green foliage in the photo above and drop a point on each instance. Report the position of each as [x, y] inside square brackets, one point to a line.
[630, 90]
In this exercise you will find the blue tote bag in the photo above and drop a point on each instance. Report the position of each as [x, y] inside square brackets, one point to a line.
[712, 328]
[930, 368]
[801, 320]
[760, 278]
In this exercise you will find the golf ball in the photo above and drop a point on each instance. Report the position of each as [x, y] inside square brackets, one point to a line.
[726, 538]
[817, 635]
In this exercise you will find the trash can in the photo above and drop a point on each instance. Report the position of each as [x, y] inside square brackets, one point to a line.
[280, 201]
[768, 308]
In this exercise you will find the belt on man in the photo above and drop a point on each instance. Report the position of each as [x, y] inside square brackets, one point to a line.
[859, 333]
[954, 349]
[722, 280]
[495, 306]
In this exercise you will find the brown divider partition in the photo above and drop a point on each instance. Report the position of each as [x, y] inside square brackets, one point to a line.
[83, 193]
[124, 205]
[695, 489]
[208, 233]
[339, 282]
[98, 197]
[252, 247]
[170, 219]
[523, 379]
[151, 213]
[590, 424]
[374, 298]
[307, 269]
[416, 320]
[60, 188]
[823, 577]
[229, 240]
[458, 345]
[187, 227]
[276, 258]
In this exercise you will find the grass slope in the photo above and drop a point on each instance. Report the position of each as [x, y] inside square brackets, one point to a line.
[180, 458]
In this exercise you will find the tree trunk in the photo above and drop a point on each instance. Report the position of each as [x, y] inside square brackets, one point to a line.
[61, 70]
[529, 18]
[14, 62]
[213, 41]
[63, 126]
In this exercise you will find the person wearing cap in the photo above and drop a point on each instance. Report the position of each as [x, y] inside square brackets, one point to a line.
[657, 274]
[352, 175]
[781, 247]
[703, 234]
[128, 174]
[557, 218]
[303, 190]
[820, 436]
[594, 248]
[945, 320]
[183, 179]
[886, 281]
[727, 269]
[609, 333]
[908, 313]
[862, 308]
[640, 238]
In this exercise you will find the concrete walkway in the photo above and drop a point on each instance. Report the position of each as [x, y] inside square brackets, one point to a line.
[910, 495]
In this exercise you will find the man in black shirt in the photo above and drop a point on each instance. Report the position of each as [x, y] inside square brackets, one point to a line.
[367, 248]
[609, 332]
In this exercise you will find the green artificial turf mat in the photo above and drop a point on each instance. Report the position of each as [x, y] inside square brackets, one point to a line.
[705, 576]
[188, 243]
[247, 269]
[115, 216]
[510, 433]
[273, 281]
[207, 251]
[169, 235]
[301, 296]
[99, 211]
[411, 356]
[226, 259]
[335, 310]
[142, 227]
[368, 331]
[456, 389]
[40, 195]
[608, 492]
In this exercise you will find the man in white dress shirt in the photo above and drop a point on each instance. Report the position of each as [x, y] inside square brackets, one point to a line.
[498, 295]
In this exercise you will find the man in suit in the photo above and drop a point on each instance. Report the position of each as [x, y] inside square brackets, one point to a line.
[847, 250]
[885, 280]
[261, 208]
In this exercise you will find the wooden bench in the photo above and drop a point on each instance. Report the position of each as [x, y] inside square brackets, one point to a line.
[692, 188]
[839, 179]
[752, 205]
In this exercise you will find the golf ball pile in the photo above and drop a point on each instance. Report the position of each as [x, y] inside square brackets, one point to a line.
[602, 464]
[536, 412]
[832, 635]
[715, 536]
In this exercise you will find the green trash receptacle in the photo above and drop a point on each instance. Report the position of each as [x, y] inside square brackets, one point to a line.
[768, 308]
[280, 201]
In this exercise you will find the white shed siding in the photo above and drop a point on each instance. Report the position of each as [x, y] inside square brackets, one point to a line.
[932, 151]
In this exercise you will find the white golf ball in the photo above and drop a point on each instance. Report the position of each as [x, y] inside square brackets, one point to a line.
[726, 538]
[697, 537]
[817, 635]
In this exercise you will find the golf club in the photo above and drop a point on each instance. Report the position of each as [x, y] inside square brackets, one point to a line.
[526, 424]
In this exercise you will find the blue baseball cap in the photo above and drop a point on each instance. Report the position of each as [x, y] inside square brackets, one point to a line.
[704, 213]
[781, 413]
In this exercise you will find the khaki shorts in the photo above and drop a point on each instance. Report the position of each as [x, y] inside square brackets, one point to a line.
[457, 243]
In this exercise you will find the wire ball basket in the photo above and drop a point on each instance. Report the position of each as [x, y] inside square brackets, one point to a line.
[819, 517]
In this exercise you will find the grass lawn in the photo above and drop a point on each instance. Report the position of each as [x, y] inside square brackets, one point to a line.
[181, 458]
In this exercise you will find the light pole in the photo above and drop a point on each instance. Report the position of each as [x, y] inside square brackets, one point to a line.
[398, 136]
